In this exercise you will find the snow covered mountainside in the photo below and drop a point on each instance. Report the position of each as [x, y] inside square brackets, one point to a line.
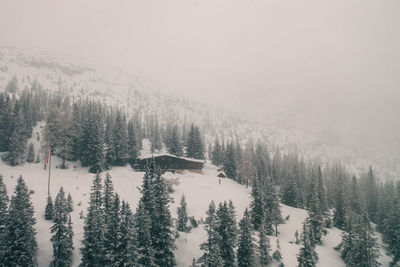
[80, 80]
[199, 190]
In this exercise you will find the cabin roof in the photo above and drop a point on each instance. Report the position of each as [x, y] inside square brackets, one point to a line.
[170, 155]
[221, 173]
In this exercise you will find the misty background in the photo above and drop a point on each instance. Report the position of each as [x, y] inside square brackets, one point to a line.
[330, 67]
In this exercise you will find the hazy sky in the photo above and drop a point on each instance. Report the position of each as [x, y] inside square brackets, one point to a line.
[334, 59]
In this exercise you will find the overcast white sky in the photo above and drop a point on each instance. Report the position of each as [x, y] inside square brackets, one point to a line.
[334, 58]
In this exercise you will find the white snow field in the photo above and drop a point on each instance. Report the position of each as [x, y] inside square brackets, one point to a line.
[199, 190]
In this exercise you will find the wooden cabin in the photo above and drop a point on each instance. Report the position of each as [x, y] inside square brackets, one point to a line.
[168, 162]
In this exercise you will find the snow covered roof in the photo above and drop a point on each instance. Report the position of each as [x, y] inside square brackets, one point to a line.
[170, 155]
[221, 174]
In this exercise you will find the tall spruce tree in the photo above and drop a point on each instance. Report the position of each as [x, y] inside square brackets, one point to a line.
[217, 154]
[3, 217]
[391, 230]
[315, 219]
[245, 252]
[127, 247]
[112, 233]
[20, 233]
[359, 246]
[17, 142]
[155, 199]
[182, 216]
[229, 162]
[92, 149]
[30, 157]
[227, 230]
[49, 210]
[132, 143]
[110, 154]
[257, 205]
[145, 250]
[211, 247]
[339, 216]
[93, 237]
[307, 256]
[61, 238]
[174, 143]
[120, 140]
[264, 247]
[194, 143]
[162, 223]
[371, 195]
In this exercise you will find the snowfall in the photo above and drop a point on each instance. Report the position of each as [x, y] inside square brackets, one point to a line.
[199, 190]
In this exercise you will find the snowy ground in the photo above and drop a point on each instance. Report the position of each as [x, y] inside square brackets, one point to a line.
[199, 190]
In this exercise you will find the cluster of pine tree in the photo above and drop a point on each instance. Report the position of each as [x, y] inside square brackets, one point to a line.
[224, 237]
[99, 136]
[108, 229]
[18, 246]
[61, 230]
[221, 228]
[114, 236]
[18, 115]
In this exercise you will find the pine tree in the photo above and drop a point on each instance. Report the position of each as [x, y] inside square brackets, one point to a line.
[3, 217]
[194, 143]
[132, 143]
[212, 253]
[359, 246]
[70, 203]
[367, 250]
[17, 143]
[339, 215]
[264, 247]
[49, 210]
[155, 200]
[143, 238]
[110, 154]
[257, 207]
[20, 233]
[5, 122]
[62, 232]
[182, 216]
[31, 153]
[12, 86]
[371, 195]
[277, 253]
[217, 154]
[120, 140]
[227, 230]
[321, 194]
[391, 231]
[245, 252]
[273, 215]
[112, 232]
[162, 224]
[315, 219]
[307, 256]
[127, 247]
[229, 163]
[93, 241]
[174, 143]
[289, 194]
[92, 145]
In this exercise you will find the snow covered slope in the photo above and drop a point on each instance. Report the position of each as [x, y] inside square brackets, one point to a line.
[199, 190]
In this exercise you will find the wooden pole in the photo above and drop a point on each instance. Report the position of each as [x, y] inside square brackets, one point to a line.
[48, 183]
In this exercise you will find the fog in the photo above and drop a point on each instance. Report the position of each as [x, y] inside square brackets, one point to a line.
[335, 64]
